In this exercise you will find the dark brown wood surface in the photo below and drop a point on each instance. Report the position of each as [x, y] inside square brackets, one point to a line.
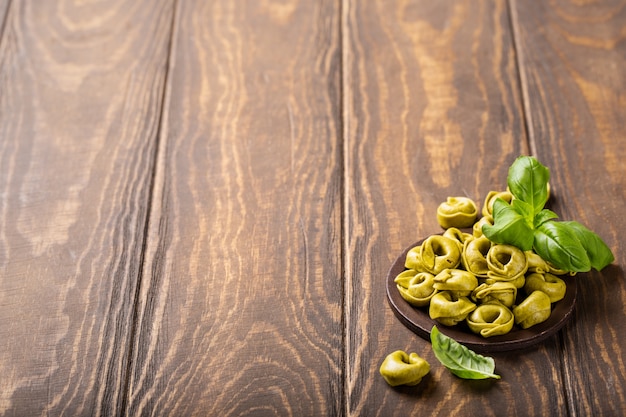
[572, 68]
[444, 118]
[81, 90]
[240, 310]
[199, 201]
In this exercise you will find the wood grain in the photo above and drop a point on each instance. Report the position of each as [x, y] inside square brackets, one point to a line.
[199, 201]
[433, 109]
[81, 86]
[4, 7]
[240, 306]
[573, 56]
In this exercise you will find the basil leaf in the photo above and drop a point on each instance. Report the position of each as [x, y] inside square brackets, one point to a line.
[543, 216]
[528, 181]
[599, 253]
[509, 227]
[460, 360]
[525, 209]
[556, 243]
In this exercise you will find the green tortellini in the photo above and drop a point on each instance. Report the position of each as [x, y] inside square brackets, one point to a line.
[536, 263]
[491, 198]
[491, 319]
[462, 276]
[401, 368]
[506, 263]
[457, 282]
[457, 212]
[416, 287]
[553, 286]
[535, 309]
[458, 236]
[501, 292]
[557, 271]
[474, 256]
[449, 310]
[412, 260]
[477, 229]
[438, 253]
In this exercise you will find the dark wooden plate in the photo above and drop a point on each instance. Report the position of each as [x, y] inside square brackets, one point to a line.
[418, 320]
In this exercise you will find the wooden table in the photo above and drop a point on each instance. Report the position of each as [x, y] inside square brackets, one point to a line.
[200, 200]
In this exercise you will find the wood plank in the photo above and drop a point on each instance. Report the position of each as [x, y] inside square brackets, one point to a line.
[241, 308]
[573, 58]
[4, 7]
[433, 109]
[82, 88]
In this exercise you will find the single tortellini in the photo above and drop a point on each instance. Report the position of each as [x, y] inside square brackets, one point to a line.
[491, 198]
[556, 271]
[477, 229]
[474, 256]
[536, 263]
[449, 310]
[535, 309]
[412, 260]
[458, 236]
[401, 368]
[502, 292]
[416, 287]
[506, 263]
[457, 282]
[491, 319]
[553, 286]
[457, 212]
[438, 253]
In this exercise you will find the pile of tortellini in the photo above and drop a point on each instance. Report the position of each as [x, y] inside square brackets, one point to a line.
[463, 277]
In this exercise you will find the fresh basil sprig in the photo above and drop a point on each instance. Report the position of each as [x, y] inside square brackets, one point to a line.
[525, 223]
[459, 359]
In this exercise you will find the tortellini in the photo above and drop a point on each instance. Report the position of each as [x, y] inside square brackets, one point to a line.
[477, 228]
[504, 293]
[458, 236]
[474, 256]
[536, 263]
[412, 260]
[535, 309]
[448, 309]
[462, 278]
[491, 198]
[457, 212]
[437, 253]
[457, 282]
[553, 286]
[491, 319]
[506, 263]
[417, 288]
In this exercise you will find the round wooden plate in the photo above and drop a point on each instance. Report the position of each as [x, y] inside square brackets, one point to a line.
[418, 320]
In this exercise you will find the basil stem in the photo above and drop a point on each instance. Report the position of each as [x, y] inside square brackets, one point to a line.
[543, 216]
[460, 360]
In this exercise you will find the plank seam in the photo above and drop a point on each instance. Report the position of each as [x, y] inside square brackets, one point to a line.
[5, 19]
[345, 199]
[160, 143]
[522, 79]
[531, 140]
